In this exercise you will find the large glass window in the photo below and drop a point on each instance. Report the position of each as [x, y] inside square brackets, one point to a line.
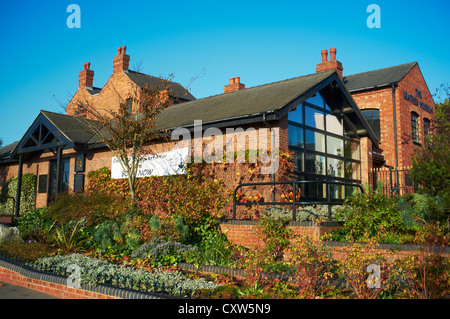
[323, 149]
[372, 117]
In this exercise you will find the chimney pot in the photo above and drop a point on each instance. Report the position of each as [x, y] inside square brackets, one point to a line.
[324, 55]
[119, 51]
[237, 80]
[332, 54]
[124, 48]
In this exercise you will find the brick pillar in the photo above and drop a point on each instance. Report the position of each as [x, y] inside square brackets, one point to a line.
[366, 161]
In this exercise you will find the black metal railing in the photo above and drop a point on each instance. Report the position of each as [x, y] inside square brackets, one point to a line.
[393, 180]
[328, 200]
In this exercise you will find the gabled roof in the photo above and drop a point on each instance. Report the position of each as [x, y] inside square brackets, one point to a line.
[255, 104]
[266, 98]
[48, 131]
[377, 78]
[177, 89]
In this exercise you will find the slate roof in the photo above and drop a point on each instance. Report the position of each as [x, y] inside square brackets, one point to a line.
[177, 89]
[250, 101]
[377, 78]
[76, 130]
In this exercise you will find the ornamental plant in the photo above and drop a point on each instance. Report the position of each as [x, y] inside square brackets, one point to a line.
[369, 215]
[366, 271]
[313, 266]
[94, 272]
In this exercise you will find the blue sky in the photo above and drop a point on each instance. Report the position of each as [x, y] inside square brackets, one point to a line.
[260, 41]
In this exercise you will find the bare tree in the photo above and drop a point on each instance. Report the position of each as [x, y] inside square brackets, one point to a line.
[128, 134]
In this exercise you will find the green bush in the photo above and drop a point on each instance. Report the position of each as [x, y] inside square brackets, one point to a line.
[275, 235]
[421, 207]
[163, 252]
[27, 195]
[35, 225]
[369, 215]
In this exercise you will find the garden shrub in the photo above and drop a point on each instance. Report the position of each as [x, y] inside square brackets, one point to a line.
[421, 207]
[27, 196]
[179, 202]
[35, 225]
[367, 272]
[369, 215]
[94, 272]
[313, 265]
[163, 252]
[95, 206]
[275, 235]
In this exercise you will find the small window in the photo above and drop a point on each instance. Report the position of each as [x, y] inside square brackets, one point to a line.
[415, 126]
[129, 105]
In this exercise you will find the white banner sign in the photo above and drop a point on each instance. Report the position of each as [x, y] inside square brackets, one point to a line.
[167, 163]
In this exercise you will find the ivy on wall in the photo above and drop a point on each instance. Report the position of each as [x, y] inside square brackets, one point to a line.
[27, 197]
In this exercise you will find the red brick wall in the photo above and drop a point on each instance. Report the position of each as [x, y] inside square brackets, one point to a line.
[381, 99]
[49, 288]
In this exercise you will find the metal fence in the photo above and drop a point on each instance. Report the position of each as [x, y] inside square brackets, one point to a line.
[297, 189]
[393, 180]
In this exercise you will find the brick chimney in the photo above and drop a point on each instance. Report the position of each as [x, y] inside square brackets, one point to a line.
[333, 64]
[86, 77]
[235, 85]
[121, 61]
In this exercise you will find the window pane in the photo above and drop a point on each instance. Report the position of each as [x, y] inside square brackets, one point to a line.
[337, 191]
[352, 150]
[317, 100]
[314, 190]
[353, 171]
[372, 117]
[414, 126]
[334, 124]
[298, 161]
[335, 167]
[297, 115]
[335, 146]
[314, 164]
[315, 141]
[314, 118]
[426, 126]
[295, 136]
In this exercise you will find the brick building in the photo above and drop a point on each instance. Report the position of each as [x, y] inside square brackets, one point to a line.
[338, 127]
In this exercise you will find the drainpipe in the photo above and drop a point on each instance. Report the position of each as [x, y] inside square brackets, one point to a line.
[395, 132]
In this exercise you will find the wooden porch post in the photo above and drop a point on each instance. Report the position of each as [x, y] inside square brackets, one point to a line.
[19, 187]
